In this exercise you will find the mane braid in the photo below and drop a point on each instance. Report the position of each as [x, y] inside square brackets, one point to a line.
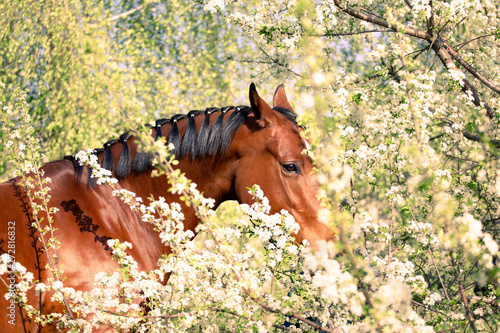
[142, 162]
[203, 136]
[216, 132]
[189, 139]
[290, 115]
[159, 123]
[174, 137]
[108, 160]
[124, 162]
[77, 168]
[232, 125]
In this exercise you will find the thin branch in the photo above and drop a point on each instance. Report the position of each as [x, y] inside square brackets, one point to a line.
[442, 28]
[271, 62]
[408, 92]
[437, 136]
[124, 14]
[470, 136]
[351, 33]
[462, 293]
[447, 32]
[461, 45]
[430, 308]
[483, 299]
[430, 251]
[466, 169]
[274, 61]
[478, 138]
[493, 220]
[368, 12]
[369, 78]
[418, 52]
[245, 317]
[453, 329]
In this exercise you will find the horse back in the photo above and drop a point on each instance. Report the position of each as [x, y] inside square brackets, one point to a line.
[20, 240]
[85, 220]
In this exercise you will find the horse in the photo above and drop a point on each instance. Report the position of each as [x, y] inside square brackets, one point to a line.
[223, 150]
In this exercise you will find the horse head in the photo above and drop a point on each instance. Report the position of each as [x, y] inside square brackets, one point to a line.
[271, 153]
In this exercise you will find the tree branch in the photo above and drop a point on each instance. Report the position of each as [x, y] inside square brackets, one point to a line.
[445, 57]
[124, 14]
[430, 20]
[352, 33]
[462, 293]
[430, 308]
[382, 22]
[478, 138]
[470, 136]
[468, 67]
[452, 329]
[444, 50]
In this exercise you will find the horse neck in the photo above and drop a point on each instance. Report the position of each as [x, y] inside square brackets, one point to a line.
[212, 174]
[212, 179]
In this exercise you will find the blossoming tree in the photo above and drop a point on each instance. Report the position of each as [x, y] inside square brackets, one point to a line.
[405, 95]
[400, 103]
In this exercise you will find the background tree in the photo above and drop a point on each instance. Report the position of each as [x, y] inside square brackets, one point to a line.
[406, 97]
[85, 65]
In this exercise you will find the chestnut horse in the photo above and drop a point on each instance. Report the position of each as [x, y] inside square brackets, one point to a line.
[225, 151]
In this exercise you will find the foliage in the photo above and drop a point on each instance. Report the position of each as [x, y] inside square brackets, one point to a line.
[400, 99]
[410, 95]
[89, 62]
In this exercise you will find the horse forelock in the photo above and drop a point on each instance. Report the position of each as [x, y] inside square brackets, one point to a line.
[289, 114]
[208, 140]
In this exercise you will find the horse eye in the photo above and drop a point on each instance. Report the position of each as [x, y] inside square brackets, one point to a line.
[290, 168]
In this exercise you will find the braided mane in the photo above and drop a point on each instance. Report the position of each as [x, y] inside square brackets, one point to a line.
[207, 141]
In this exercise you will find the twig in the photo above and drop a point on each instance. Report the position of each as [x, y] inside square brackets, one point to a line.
[456, 25]
[408, 92]
[462, 292]
[471, 40]
[430, 308]
[124, 14]
[453, 329]
[430, 252]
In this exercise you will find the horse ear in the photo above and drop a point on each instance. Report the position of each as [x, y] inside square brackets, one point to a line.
[280, 100]
[261, 110]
